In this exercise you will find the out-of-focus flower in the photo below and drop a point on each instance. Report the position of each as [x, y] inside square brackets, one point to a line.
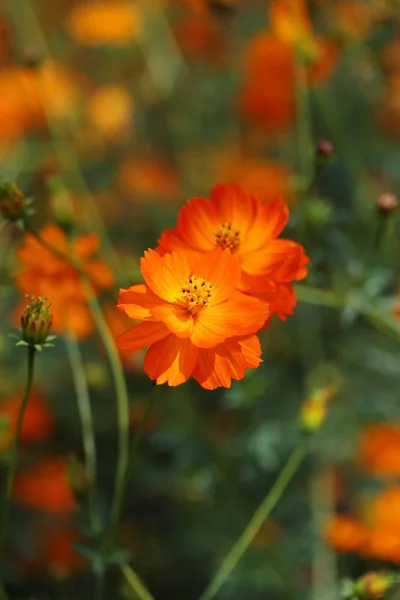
[194, 320]
[315, 409]
[37, 424]
[345, 533]
[379, 450]
[149, 180]
[239, 221]
[116, 22]
[46, 274]
[373, 586]
[44, 487]
[110, 108]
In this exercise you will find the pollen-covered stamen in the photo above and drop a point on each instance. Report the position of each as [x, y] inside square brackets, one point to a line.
[196, 293]
[227, 237]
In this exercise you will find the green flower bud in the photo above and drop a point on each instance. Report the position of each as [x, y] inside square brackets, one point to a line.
[36, 322]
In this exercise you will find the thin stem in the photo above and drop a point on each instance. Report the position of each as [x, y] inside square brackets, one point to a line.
[14, 450]
[258, 518]
[134, 581]
[122, 405]
[304, 125]
[88, 437]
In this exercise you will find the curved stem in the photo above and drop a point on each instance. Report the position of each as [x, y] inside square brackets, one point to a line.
[86, 418]
[14, 450]
[258, 518]
[135, 583]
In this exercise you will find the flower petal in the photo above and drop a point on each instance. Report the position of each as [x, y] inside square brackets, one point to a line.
[169, 241]
[234, 206]
[222, 269]
[158, 277]
[241, 315]
[171, 360]
[215, 368]
[270, 222]
[86, 245]
[251, 350]
[177, 318]
[142, 335]
[197, 223]
[136, 301]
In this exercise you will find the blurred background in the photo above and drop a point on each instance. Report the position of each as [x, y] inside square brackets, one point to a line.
[112, 114]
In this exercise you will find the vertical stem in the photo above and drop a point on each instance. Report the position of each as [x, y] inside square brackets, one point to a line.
[304, 127]
[14, 450]
[258, 518]
[86, 418]
[122, 406]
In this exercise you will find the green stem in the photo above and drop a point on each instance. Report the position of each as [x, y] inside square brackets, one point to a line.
[122, 405]
[304, 125]
[135, 583]
[88, 437]
[14, 450]
[258, 518]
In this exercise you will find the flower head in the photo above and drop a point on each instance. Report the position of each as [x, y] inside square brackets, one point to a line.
[13, 204]
[193, 318]
[238, 221]
[36, 323]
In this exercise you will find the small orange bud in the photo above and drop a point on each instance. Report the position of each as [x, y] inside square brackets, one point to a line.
[387, 203]
[12, 202]
[36, 322]
[373, 586]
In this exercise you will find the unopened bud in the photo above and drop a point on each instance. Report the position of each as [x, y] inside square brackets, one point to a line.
[373, 586]
[12, 202]
[315, 409]
[324, 150]
[387, 203]
[36, 322]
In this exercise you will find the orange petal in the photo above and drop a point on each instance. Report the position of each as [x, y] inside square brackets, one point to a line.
[177, 318]
[269, 224]
[142, 335]
[136, 301]
[251, 350]
[282, 260]
[159, 278]
[100, 274]
[171, 360]
[243, 315]
[86, 245]
[170, 240]
[222, 269]
[215, 368]
[235, 206]
[197, 223]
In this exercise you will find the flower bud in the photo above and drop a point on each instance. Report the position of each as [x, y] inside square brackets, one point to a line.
[315, 409]
[12, 202]
[36, 322]
[373, 586]
[324, 150]
[387, 203]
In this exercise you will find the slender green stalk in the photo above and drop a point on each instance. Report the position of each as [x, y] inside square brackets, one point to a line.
[14, 450]
[304, 125]
[134, 581]
[258, 518]
[88, 437]
[122, 404]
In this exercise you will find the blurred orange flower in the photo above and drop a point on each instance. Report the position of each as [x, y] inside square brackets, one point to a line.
[110, 108]
[46, 275]
[194, 320]
[236, 220]
[116, 22]
[44, 487]
[379, 450]
[37, 424]
[148, 179]
[118, 323]
[345, 533]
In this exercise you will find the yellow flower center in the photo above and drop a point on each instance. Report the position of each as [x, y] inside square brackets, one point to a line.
[226, 237]
[197, 293]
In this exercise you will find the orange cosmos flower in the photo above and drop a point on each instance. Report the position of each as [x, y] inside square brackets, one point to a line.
[194, 320]
[37, 424]
[45, 487]
[239, 221]
[379, 450]
[345, 533]
[47, 275]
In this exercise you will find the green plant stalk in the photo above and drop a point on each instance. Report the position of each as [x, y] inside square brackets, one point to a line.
[14, 450]
[135, 583]
[88, 437]
[304, 125]
[122, 406]
[258, 518]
